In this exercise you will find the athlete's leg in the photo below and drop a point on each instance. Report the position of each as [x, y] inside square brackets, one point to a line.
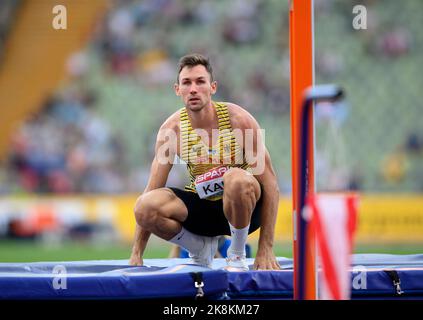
[240, 196]
[161, 212]
[241, 193]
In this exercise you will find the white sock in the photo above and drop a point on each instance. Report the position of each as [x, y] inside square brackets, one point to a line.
[189, 241]
[238, 239]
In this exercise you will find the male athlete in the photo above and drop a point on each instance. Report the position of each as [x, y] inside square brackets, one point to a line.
[233, 188]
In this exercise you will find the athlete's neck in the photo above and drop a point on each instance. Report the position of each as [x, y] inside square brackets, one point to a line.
[206, 118]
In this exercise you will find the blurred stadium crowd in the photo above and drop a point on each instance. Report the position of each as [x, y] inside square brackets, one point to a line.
[96, 133]
[7, 14]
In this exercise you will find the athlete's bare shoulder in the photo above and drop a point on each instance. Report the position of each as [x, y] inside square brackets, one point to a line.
[169, 132]
[172, 122]
[240, 118]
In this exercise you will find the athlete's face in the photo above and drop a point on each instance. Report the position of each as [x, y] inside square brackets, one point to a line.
[195, 87]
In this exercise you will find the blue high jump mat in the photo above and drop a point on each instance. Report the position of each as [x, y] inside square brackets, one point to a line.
[373, 276]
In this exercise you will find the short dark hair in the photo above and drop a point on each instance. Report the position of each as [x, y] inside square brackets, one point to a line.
[192, 60]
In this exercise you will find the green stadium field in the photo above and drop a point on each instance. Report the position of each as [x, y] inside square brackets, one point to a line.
[30, 251]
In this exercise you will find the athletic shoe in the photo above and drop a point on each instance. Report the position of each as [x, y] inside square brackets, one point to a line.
[206, 255]
[236, 262]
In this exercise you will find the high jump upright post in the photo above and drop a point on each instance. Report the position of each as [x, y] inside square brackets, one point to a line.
[301, 44]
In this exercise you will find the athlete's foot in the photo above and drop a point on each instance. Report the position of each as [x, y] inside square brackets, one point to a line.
[236, 262]
[206, 255]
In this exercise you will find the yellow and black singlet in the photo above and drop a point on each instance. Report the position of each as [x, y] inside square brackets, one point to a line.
[201, 158]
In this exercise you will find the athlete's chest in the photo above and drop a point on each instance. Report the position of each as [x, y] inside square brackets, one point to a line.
[201, 152]
[210, 143]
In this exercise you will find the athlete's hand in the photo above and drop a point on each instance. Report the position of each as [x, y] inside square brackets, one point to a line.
[136, 260]
[266, 260]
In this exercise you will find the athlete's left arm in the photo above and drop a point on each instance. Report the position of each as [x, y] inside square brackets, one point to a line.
[265, 258]
[260, 161]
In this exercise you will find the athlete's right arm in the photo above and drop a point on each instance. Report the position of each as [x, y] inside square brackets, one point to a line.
[165, 151]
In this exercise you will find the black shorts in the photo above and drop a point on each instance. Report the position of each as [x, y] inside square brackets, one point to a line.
[206, 217]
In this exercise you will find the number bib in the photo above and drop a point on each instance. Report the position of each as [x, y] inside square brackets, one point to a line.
[210, 183]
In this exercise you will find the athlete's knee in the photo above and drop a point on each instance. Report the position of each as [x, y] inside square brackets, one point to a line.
[149, 207]
[239, 183]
